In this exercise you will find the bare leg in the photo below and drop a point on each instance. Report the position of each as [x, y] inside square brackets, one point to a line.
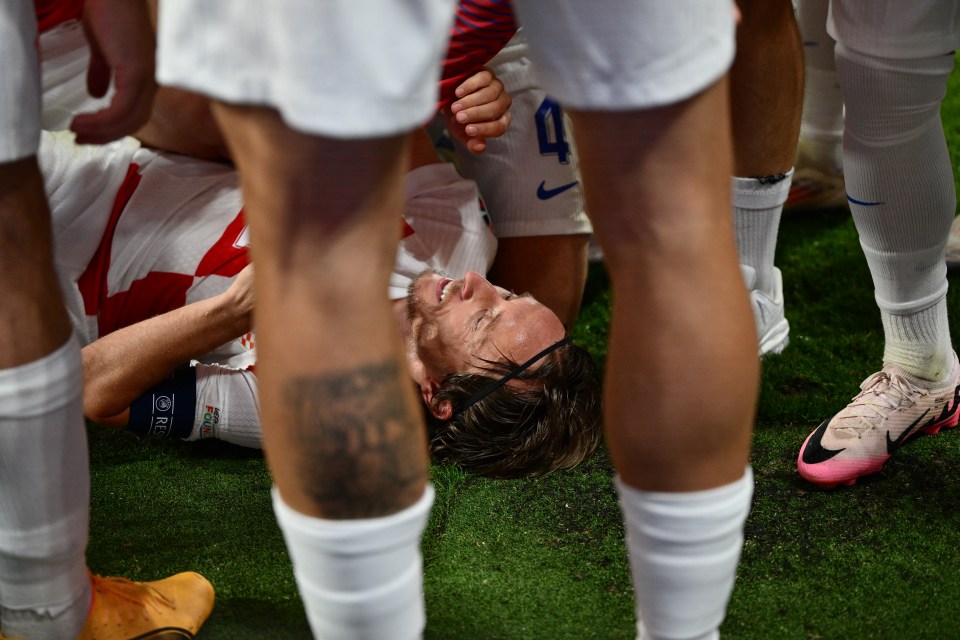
[44, 477]
[766, 84]
[767, 93]
[31, 309]
[678, 433]
[342, 430]
[673, 425]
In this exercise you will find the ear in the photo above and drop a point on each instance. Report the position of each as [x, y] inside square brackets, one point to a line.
[429, 388]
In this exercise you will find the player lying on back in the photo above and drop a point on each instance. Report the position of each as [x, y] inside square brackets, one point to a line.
[152, 249]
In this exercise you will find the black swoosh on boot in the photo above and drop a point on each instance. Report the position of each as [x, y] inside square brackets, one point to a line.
[814, 452]
[893, 445]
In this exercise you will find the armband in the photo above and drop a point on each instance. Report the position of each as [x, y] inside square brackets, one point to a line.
[168, 408]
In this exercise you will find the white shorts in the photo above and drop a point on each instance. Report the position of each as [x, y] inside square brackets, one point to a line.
[19, 81]
[615, 55]
[367, 68]
[528, 177]
[896, 28]
[339, 68]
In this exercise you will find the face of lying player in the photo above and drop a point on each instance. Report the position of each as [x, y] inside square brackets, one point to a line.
[456, 323]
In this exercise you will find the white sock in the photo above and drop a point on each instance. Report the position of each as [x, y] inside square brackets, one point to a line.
[227, 406]
[44, 498]
[898, 174]
[822, 126]
[920, 342]
[684, 549]
[359, 579]
[757, 205]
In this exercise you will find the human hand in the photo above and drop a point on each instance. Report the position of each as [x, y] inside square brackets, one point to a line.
[122, 45]
[481, 111]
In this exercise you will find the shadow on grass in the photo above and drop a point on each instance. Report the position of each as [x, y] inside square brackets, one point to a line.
[240, 618]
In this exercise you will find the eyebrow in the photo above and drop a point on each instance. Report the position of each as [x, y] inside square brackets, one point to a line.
[484, 332]
[493, 321]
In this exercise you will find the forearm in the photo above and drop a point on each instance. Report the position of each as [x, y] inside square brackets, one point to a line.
[119, 367]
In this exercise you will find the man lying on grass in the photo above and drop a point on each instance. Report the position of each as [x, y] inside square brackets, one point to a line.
[153, 250]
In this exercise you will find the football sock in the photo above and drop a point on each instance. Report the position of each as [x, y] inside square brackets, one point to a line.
[898, 174]
[44, 498]
[359, 578]
[227, 406]
[757, 205]
[920, 342]
[822, 126]
[684, 549]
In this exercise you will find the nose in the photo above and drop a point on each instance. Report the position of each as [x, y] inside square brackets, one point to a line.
[475, 285]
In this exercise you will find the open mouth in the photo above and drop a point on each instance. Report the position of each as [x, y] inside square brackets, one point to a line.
[444, 289]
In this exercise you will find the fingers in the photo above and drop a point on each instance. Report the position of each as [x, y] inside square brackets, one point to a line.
[121, 45]
[473, 136]
[479, 80]
[490, 129]
[126, 113]
[484, 103]
[482, 111]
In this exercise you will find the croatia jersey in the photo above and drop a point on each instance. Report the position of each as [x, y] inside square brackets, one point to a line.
[138, 233]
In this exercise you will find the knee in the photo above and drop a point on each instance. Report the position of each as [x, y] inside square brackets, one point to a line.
[890, 101]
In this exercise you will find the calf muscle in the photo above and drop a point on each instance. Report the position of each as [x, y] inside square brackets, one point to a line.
[359, 444]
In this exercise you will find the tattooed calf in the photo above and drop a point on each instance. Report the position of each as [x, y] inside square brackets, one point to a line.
[363, 447]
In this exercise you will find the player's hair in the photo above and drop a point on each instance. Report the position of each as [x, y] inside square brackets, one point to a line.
[520, 430]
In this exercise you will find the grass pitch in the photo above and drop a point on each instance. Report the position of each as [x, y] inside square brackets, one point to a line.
[544, 559]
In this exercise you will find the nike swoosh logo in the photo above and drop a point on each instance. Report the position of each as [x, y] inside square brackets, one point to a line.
[815, 452]
[893, 445]
[864, 203]
[545, 194]
[947, 409]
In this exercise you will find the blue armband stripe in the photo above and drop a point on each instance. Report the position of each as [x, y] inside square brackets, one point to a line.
[168, 408]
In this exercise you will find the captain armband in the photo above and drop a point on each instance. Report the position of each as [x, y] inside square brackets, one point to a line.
[169, 408]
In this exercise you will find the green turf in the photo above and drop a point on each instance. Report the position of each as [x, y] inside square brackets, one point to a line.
[544, 559]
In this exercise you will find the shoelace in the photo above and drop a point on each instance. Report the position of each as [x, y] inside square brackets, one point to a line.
[880, 394]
